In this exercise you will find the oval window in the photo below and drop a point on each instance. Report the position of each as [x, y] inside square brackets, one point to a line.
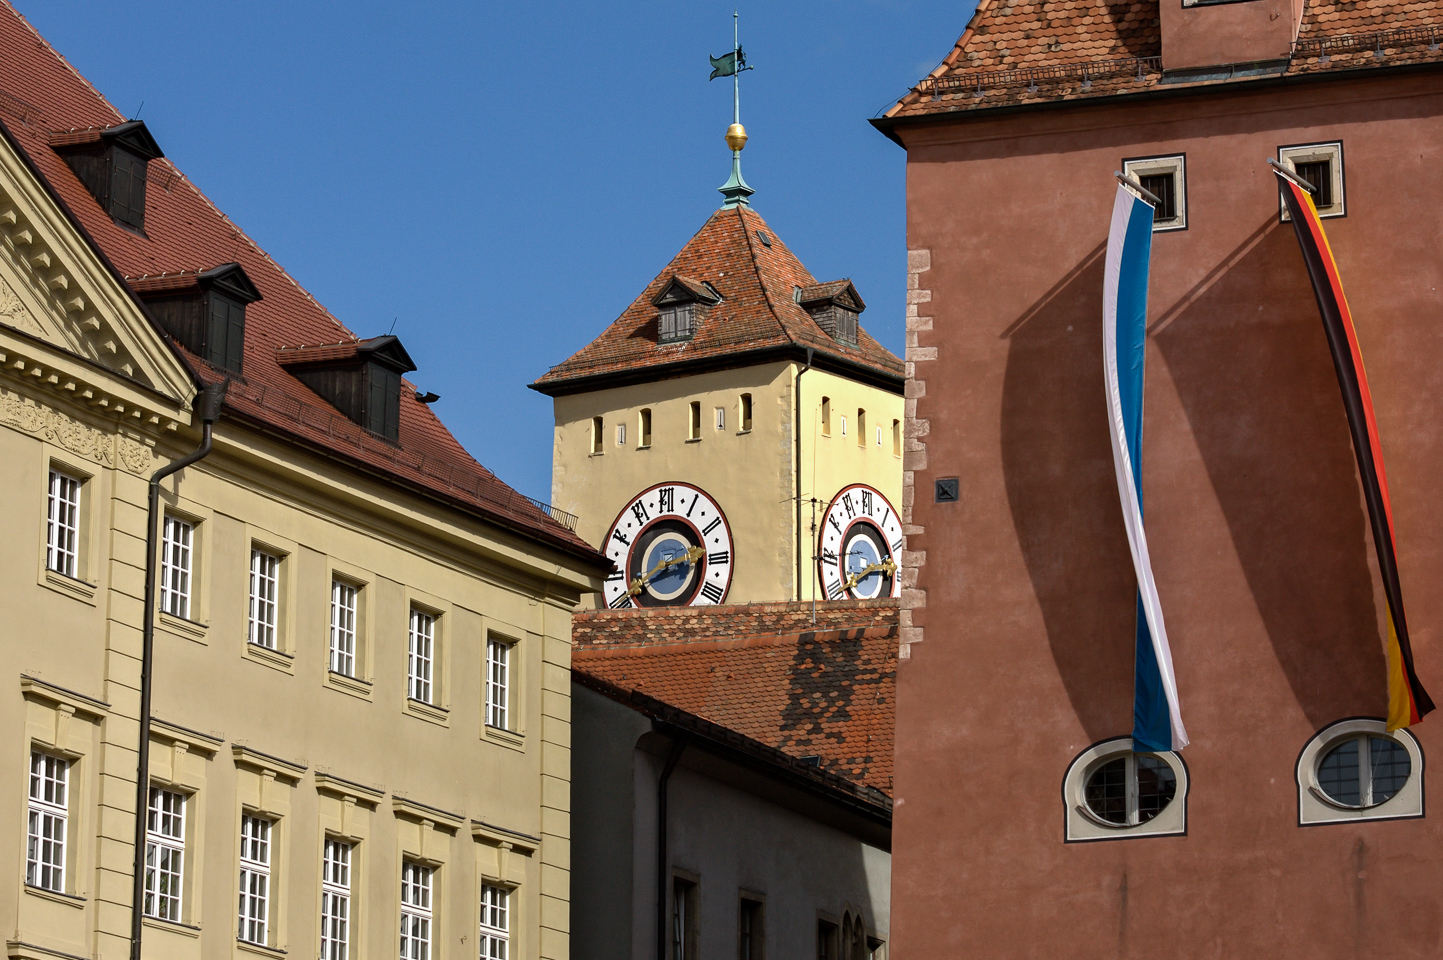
[1364, 770]
[1130, 789]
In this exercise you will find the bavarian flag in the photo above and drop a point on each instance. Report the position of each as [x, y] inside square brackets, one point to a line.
[1156, 718]
[1408, 702]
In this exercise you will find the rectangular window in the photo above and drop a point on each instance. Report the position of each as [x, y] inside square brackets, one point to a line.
[164, 854]
[721, 418]
[826, 416]
[694, 424]
[415, 911]
[498, 657]
[1166, 179]
[861, 427]
[495, 923]
[596, 432]
[336, 901]
[49, 814]
[645, 426]
[255, 878]
[175, 564]
[879, 436]
[828, 941]
[1320, 174]
[751, 934]
[343, 628]
[62, 527]
[745, 413]
[683, 920]
[676, 322]
[418, 661]
[225, 342]
[265, 577]
[896, 438]
[1321, 165]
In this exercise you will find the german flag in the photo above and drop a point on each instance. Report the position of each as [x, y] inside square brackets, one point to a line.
[1408, 702]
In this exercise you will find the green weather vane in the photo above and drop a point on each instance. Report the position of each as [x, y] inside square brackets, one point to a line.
[735, 190]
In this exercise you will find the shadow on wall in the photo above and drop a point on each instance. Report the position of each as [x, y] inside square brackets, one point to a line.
[1057, 464]
[1257, 385]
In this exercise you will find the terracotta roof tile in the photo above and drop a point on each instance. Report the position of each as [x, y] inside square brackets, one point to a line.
[1017, 52]
[756, 314]
[45, 102]
[767, 671]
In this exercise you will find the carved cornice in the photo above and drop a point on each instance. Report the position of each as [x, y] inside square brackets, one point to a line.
[106, 449]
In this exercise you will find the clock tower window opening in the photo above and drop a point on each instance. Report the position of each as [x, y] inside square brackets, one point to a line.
[694, 422]
[597, 428]
[644, 428]
[896, 438]
[826, 416]
[861, 427]
[744, 413]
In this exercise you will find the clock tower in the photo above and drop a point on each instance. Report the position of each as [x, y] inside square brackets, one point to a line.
[735, 436]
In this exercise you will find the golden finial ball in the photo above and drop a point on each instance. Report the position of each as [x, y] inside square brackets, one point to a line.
[736, 136]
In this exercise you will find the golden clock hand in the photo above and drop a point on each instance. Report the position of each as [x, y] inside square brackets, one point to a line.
[692, 553]
[886, 566]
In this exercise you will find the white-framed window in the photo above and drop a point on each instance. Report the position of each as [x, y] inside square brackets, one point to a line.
[255, 878]
[498, 682]
[265, 581]
[495, 936]
[1166, 179]
[419, 659]
[1356, 770]
[343, 628]
[62, 525]
[176, 552]
[1321, 165]
[336, 900]
[165, 854]
[1113, 792]
[415, 911]
[49, 817]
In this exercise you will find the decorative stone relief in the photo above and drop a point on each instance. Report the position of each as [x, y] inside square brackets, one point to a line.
[13, 312]
[79, 439]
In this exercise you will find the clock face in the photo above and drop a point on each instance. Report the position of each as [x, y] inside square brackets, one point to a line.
[672, 548]
[859, 546]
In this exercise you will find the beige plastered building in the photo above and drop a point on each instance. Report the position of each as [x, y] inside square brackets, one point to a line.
[458, 784]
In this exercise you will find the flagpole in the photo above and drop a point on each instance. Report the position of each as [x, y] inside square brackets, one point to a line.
[736, 73]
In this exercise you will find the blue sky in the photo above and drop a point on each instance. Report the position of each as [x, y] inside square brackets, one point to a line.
[502, 180]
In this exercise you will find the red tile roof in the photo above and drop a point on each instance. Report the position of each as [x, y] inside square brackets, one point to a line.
[45, 102]
[757, 316]
[823, 689]
[1018, 52]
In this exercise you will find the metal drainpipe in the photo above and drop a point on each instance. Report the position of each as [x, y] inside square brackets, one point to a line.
[209, 404]
[799, 470]
[677, 746]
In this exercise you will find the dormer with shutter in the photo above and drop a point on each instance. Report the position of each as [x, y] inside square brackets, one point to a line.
[683, 304]
[835, 307]
[204, 311]
[362, 379]
[113, 164]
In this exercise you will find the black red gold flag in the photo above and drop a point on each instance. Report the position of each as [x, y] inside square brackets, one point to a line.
[1408, 702]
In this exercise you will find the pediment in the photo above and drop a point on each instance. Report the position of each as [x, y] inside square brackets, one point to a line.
[54, 288]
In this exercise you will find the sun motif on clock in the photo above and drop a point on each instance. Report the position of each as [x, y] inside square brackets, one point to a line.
[860, 541]
[672, 548]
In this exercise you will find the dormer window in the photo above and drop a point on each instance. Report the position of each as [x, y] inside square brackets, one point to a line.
[835, 307]
[113, 165]
[205, 312]
[682, 304]
[362, 379]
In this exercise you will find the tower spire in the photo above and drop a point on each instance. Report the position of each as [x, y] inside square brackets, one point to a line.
[735, 191]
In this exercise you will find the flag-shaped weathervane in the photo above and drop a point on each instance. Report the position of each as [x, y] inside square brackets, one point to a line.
[735, 190]
[728, 64]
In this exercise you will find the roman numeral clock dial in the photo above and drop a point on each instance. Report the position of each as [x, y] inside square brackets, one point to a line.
[672, 547]
[859, 546]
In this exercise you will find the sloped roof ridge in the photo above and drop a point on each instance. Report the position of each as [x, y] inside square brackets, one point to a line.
[757, 270]
[45, 44]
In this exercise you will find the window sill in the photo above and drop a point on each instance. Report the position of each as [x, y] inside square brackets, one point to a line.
[742, 433]
[77, 589]
[694, 440]
[245, 946]
[173, 926]
[428, 712]
[69, 899]
[643, 446]
[596, 454]
[507, 738]
[275, 659]
[186, 628]
[348, 685]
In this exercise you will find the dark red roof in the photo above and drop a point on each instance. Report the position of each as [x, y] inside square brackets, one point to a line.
[1017, 52]
[825, 689]
[44, 102]
[757, 315]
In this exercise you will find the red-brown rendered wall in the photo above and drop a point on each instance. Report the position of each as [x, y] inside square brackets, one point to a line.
[1255, 519]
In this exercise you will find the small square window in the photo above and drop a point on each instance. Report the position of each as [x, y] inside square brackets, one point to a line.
[1321, 164]
[1166, 179]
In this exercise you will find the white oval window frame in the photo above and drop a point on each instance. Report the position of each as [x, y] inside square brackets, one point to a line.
[1081, 825]
[1316, 808]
